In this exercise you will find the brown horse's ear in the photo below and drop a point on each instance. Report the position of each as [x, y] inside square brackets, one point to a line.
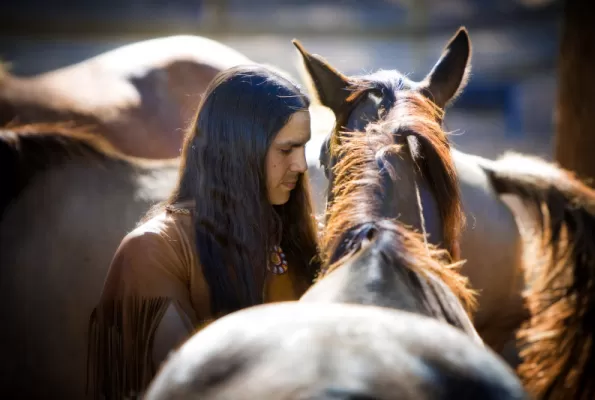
[449, 76]
[329, 85]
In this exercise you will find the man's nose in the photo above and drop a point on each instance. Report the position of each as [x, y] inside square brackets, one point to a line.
[299, 163]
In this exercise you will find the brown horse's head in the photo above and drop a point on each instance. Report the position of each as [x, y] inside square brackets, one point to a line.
[427, 194]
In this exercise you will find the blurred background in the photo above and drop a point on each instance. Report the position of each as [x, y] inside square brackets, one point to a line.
[508, 103]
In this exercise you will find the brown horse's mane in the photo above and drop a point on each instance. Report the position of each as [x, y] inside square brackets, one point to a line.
[28, 149]
[558, 350]
[357, 192]
[411, 114]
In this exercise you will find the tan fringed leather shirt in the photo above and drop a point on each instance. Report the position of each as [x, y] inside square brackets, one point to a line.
[155, 296]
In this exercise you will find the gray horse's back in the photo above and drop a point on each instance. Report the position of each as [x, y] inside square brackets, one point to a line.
[332, 351]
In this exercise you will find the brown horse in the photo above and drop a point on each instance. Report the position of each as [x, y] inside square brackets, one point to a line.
[66, 200]
[140, 96]
[295, 351]
[491, 228]
[558, 356]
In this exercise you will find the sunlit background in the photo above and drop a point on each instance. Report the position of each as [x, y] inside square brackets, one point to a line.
[508, 103]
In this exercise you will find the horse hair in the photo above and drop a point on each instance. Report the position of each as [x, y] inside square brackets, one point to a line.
[558, 354]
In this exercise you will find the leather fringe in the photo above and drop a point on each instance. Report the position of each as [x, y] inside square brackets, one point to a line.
[121, 335]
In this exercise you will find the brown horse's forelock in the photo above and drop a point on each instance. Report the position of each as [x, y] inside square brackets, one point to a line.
[558, 356]
[357, 189]
[412, 114]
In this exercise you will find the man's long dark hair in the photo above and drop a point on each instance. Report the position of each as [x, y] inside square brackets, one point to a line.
[223, 172]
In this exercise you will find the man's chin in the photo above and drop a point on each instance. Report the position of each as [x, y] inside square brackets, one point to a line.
[280, 200]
